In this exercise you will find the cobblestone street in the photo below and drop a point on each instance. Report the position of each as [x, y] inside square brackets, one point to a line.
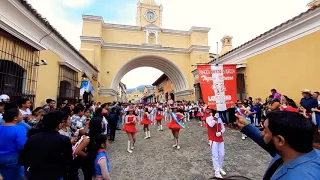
[155, 159]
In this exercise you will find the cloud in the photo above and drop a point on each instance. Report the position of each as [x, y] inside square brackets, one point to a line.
[243, 19]
[58, 14]
[141, 76]
[77, 3]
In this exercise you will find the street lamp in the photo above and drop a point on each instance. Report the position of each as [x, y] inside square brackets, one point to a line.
[84, 77]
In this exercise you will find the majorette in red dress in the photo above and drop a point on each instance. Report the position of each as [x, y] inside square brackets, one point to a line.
[199, 112]
[145, 120]
[130, 128]
[173, 125]
[159, 117]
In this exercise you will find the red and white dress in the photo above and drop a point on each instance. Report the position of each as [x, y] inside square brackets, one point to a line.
[173, 125]
[130, 128]
[145, 120]
[199, 112]
[159, 117]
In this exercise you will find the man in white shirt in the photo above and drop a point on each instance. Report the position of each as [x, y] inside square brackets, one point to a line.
[24, 105]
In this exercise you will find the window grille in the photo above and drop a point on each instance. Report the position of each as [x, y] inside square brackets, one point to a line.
[68, 81]
[18, 73]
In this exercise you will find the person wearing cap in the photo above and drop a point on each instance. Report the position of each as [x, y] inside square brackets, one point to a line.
[206, 113]
[139, 112]
[174, 126]
[200, 112]
[4, 98]
[308, 101]
[187, 110]
[275, 94]
[159, 118]
[215, 130]
[167, 112]
[153, 113]
[146, 122]
[130, 128]
[124, 109]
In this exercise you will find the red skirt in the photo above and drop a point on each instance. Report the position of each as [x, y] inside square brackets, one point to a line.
[130, 128]
[173, 126]
[159, 117]
[199, 114]
[146, 122]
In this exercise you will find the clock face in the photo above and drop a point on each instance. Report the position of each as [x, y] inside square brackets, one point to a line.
[150, 16]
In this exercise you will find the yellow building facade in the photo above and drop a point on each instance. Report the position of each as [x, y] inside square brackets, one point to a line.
[115, 49]
[164, 89]
[285, 58]
[134, 96]
[36, 61]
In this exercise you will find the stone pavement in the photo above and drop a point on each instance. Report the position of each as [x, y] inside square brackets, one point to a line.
[155, 159]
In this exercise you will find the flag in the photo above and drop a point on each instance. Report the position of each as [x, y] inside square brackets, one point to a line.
[218, 85]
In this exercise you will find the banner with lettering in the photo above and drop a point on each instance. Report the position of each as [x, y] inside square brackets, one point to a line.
[218, 85]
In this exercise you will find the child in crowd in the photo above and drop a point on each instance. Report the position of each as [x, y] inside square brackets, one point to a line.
[102, 167]
[303, 111]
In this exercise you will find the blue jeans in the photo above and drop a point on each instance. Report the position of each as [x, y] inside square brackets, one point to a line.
[9, 167]
[318, 120]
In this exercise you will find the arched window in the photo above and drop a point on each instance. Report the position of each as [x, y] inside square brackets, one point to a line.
[12, 77]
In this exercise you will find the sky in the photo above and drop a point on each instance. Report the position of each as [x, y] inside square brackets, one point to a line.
[242, 19]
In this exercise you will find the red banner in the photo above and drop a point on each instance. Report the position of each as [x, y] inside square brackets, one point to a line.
[218, 85]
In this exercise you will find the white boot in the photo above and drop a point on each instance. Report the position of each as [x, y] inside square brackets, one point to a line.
[178, 147]
[132, 146]
[175, 145]
[243, 137]
[146, 133]
[149, 136]
[222, 172]
[217, 174]
[129, 145]
[161, 129]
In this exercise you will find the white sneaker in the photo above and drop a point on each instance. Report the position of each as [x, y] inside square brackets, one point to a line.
[217, 175]
[132, 147]
[175, 145]
[222, 171]
[178, 147]
[243, 138]
[129, 151]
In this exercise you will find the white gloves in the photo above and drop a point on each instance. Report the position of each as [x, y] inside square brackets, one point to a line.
[216, 115]
[218, 134]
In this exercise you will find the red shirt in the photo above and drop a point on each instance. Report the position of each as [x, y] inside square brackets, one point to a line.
[289, 108]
